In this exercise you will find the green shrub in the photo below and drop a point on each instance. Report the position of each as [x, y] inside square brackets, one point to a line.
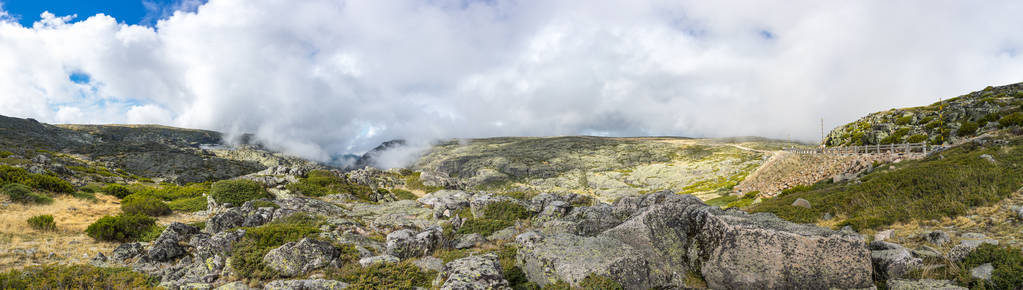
[322, 182]
[943, 185]
[967, 128]
[42, 223]
[904, 120]
[594, 281]
[1007, 261]
[170, 192]
[413, 182]
[152, 233]
[144, 204]
[505, 210]
[247, 255]
[75, 277]
[50, 183]
[91, 188]
[402, 275]
[85, 195]
[120, 228]
[237, 192]
[484, 227]
[516, 278]
[1014, 119]
[10, 174]
[116, 190]
[23, 194]
[917, 138]
[5, 154]
[190, 204]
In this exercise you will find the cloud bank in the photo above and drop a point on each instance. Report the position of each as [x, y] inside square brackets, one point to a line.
[319, 78]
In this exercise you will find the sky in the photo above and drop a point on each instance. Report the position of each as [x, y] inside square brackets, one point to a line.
[320, 78]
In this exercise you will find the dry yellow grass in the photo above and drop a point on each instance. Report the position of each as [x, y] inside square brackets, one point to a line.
[21, 246]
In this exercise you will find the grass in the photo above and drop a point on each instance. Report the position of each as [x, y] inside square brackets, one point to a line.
[943, 185]
[42, 223]
[237, 192]
[496, 216]
[412, 181]
[75, 277]
[120, 228]
[247, 255]
[322, 182]
[402, 194]
[594, 281]
[188, 204]
[120, 191]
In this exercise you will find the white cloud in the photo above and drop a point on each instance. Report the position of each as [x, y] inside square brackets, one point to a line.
[322, 77]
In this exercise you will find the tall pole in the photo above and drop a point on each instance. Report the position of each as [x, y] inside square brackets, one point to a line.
[941, 121]
[822, 131]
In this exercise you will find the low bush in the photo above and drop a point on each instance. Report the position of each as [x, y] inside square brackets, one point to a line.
[144, 204]
[412, 181]
[402, 194]
[402, 275]
[594, 281]
[5, 154]
[905, 120]
[322, 182]
[484, 227]
[75, 277]
[190, 204]
[170, 192]
[91, 188]
[1008, 264]
[10, 174]
[42, 223]
[85, 195]
[1014, 119]
[117, 190]
[496, 216]
[967, 128]
[247, 255]
[917, 138]
[237, 192]
[120, 228]
[49, 183]
[23, 194]
[152, 233]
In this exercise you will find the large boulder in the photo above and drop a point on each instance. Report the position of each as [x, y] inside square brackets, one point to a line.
[218, 244]
[408, 244]
[474, 272]
[297, 258]
[892, 261]
[168, 246]
[128, 251]
[311, 206]
[229, 219]
[923, 284]
[968, 245]
[445, 202]
[670, 234]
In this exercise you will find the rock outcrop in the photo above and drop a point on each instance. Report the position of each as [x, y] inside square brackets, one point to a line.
[666, 236]
[296, 258]
[474, 272]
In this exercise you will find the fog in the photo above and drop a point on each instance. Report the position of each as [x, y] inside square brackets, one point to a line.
[322, 78]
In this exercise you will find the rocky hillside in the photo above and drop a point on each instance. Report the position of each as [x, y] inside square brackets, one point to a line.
[948, 121]
[607, 168]
[131, 151]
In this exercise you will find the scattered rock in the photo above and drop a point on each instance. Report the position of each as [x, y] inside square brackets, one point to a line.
[445, 202]
[893, 263]
[482, 200]
[429, 263]
[382, 259]
[128, 251]
[407, 243]
[923, 284]
[312, 284]
[296, 258]
[505, 234]
[884, 235]
[926, 252]
[937, 238]
[988, 157]
[237, 285]
[226, 220]
[982, 272]
[801, 203]
[219, 244]
[469, 241]
[474, 272]
[965, 247]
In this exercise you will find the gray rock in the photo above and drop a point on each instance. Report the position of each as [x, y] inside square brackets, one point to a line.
[310, 284]
[669, 234]
[257, 216]
[923, 284]
[219, 244]
[474, 272]
[528, 238]
[965, 247]
[445, 202]
[926, 252]
[554, 210]
[540, 202]
[128, 251]
[893, 263]
[178, 232]
[408, 244]
[226, 220]
[237, 285]
[884, 235]
[296, 258]
[469, 241]
[382, 259]
[982, 272]
[937, 238]
[593, 220]
[505, 234]
[99, 260]
[429, 263]
[973, 236]
[1018, 211]
[988, 157]
[168, 246]
[311, 206]
[802, 203]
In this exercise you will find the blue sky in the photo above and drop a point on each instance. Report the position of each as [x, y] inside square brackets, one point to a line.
[144, 12]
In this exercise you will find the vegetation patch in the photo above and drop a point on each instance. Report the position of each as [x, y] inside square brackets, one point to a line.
[117, 190]
[403, 275]
[496, 216]
[42, 223]
[323, 182]
[413, 182]
[75, 277]
[247, 255]
[23, 194]
[1008, 264]
[946, 184]
[10, 174]
[594, 281]
[188, 204]
[144, 204]
[237, 192]
[120, 228]
[402, 194]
